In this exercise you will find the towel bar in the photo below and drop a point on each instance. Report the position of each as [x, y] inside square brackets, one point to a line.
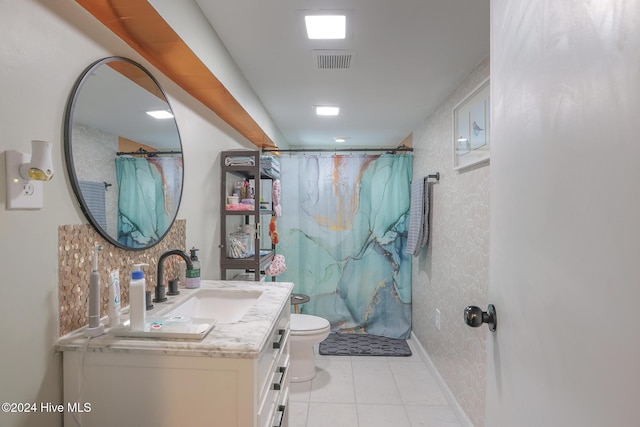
[435, 176]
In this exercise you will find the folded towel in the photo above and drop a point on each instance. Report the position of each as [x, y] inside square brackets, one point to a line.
[270, 166]
[270, 162]
[239, 161]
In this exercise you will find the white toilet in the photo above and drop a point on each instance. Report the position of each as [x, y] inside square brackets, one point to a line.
[306, 332]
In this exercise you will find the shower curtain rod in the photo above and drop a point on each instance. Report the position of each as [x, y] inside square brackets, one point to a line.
[146, 153]
[334, 150]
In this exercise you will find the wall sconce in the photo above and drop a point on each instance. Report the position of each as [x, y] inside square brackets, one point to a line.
[25, 173]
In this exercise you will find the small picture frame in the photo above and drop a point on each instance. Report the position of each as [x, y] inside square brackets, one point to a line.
[471, 128]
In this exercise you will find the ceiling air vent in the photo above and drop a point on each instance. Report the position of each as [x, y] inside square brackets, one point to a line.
[332, 59]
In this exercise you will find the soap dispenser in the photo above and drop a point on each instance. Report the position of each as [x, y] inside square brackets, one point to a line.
[193, 275]
[137, 298]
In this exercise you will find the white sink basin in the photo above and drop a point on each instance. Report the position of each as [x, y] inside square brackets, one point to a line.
[223, 305]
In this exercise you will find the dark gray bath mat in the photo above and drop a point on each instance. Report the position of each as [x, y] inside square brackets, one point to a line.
[338, 344]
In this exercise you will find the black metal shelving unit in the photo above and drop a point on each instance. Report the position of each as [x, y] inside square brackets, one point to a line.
[230, 220]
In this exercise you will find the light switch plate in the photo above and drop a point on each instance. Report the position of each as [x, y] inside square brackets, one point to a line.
[21, 193]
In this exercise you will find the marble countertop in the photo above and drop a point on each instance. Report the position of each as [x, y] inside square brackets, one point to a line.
[243, 339]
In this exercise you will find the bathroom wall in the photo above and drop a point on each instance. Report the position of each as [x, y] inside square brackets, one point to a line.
[453, 271]
[46, 46]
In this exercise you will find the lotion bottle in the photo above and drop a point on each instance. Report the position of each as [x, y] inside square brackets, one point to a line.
[137, 299]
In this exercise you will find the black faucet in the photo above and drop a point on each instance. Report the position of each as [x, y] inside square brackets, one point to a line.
[160, 287]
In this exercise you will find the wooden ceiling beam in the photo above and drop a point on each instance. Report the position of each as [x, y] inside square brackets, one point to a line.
[143, 28]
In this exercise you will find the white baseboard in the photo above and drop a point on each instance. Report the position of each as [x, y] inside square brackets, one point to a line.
[455, 406]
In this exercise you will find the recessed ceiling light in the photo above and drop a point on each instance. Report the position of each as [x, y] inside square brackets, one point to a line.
[323, 110]
[160, 114]
[340, 139]
[326, 26]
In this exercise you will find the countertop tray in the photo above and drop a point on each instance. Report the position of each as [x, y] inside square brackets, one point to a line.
[168, 327]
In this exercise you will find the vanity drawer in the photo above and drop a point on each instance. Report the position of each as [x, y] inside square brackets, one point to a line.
[277, 345]
[271, 409]
[281, 415]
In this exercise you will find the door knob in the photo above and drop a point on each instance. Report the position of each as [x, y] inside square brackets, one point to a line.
[474, 317]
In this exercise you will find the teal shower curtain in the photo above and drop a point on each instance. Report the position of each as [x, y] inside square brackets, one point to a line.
[343, 233]
[145, 209]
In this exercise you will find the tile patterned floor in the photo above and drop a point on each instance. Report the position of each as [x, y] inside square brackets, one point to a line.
[362, 391]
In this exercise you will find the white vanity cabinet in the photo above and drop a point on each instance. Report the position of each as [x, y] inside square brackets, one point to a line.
[190, 388]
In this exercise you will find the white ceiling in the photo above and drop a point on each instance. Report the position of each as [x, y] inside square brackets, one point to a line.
[409, 55]
[112, 103]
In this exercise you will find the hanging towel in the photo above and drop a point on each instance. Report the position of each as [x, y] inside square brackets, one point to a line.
[425, 214]
[418, 234]
[94, 196]
[277, 266]
[415, 216]
[277, 193]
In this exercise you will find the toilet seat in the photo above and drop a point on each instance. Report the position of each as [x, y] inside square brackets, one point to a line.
[305, 324]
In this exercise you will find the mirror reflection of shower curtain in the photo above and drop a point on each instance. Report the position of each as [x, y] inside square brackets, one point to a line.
[343, 233]
[145, 208]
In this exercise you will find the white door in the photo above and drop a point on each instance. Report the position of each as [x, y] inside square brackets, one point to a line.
[565, 218]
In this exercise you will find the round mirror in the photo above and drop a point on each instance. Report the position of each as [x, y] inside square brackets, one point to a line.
[123, 153]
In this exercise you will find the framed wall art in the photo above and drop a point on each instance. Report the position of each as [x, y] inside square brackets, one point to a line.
[471, 128]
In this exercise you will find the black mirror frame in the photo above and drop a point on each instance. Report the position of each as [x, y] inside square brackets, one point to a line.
[68, 151]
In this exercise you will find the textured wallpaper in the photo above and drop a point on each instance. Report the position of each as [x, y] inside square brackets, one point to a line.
[453, 271]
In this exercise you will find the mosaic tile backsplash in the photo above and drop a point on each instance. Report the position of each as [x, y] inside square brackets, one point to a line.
[75, 250]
